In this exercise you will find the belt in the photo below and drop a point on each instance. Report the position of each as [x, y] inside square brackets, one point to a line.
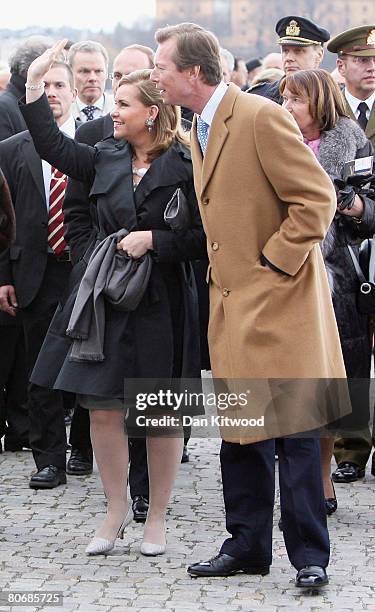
[64, 256]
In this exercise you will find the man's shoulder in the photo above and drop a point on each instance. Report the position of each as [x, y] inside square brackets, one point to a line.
[93, 131]
[267, 90]
[8, 99]
[14, 141]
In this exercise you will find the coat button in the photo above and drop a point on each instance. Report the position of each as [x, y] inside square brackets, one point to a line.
[205, 201]
[215, 246]
[225, 292]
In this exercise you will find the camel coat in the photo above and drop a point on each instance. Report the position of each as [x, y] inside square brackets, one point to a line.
[261, 191]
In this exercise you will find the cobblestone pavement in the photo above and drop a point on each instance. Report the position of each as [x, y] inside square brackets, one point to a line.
[43, 537]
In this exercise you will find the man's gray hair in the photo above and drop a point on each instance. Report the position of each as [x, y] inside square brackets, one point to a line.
[229, 57]
[26, 53]
[87, 46]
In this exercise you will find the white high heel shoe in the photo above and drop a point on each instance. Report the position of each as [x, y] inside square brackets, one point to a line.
[101, 546]
[152, 550]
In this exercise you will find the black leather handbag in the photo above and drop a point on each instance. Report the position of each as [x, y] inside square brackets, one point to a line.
[177, 212]
[365, 269]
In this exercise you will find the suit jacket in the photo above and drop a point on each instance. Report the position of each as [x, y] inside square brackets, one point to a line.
[11, 120]
[7, 218]
[370, 128]
[107, 108]
[261, 190]
[23, 170]
[23, 264]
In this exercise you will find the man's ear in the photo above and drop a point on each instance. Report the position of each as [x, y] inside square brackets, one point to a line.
[320, 52]
[194, 72]
[340, 66]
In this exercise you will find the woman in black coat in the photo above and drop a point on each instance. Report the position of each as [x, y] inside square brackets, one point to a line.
[317, 105]
[132, 177]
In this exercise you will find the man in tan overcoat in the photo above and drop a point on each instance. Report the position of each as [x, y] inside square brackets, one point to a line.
[266, 204]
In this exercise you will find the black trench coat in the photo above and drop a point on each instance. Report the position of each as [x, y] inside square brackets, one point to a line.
[160, 339]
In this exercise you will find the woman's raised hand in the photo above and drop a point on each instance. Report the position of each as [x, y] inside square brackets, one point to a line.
[43, 63]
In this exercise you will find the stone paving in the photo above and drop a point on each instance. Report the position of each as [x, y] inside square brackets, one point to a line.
[43, 536]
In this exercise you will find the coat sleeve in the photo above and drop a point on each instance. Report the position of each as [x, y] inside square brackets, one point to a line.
[75, 159]
[80, 231]
[182, 245]
[301, 185]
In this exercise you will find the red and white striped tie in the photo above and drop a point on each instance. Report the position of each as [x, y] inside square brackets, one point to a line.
[55, 213]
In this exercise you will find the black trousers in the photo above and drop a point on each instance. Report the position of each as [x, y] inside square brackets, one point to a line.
[138, 473]
[14, 418]
[46, 413]
[248, 473]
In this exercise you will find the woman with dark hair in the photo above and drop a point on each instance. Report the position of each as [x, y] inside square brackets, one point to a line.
[132, 176]
[315, 101]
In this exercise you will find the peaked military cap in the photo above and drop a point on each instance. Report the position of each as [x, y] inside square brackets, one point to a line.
[299, 31]
[357, 41]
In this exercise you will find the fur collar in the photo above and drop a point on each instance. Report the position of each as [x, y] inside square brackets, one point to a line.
[340, 145]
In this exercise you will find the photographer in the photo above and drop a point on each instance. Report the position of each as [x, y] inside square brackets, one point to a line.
[316, 103]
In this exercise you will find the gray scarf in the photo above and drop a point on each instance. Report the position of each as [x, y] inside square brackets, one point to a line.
[110, 275]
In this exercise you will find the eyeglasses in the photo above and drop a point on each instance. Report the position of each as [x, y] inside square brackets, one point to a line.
[116, 76]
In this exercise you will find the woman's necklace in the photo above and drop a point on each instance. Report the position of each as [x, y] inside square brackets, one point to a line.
[139, 171]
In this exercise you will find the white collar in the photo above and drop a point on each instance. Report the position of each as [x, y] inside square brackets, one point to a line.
[98, 104]
[210, 109]
[353, 101]
[69, 127]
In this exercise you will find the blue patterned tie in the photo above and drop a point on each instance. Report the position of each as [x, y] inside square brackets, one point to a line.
[202, 133]
[89, 112]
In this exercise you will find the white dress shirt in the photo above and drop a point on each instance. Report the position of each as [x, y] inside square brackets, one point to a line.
[354, 102]
[210, 109]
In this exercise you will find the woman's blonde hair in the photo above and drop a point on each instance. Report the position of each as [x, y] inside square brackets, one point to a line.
[167, 125]
[326, 102]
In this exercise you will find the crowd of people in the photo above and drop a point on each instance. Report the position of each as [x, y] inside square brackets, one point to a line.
[100, 285]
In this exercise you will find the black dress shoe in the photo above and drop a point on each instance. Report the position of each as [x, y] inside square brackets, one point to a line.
[185, 455]
[312, 577]
[79, 463]
[48, 478]
[347, 472]
[140, 508]
[224, 565]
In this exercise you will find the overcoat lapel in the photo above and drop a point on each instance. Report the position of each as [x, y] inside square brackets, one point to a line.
[114, 176]
[160, 175]
[34, 163]
[218, 134]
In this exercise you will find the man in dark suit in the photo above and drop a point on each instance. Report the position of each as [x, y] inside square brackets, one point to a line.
[34, 271]
[356, 64]
[14, 421]
[80, 235]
